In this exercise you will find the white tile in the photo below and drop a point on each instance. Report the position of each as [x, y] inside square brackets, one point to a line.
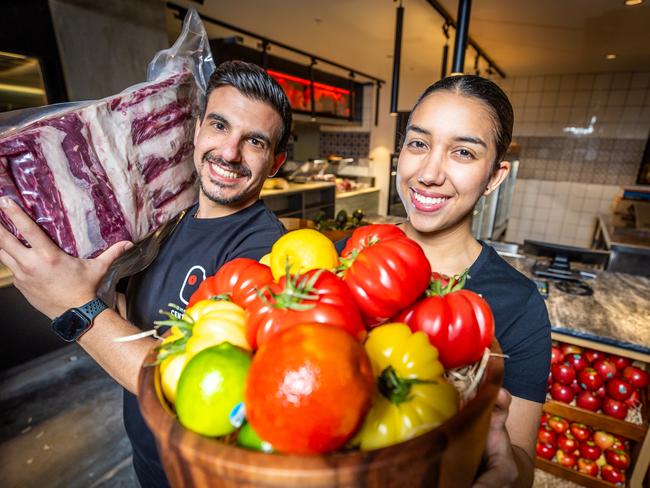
[640, 80]
[612, 114]
[645, 114]
[551, 83]
[530, 114]
[521, 84]
[557, 213]
[568, 82]
[621, 81]
[578, 189]
[533, 99]
[527, 213]
[631, 114]
[598, 98]
[545, 114]
[590, 205]
[582, 99]
[635, 98]
[561, 115]
[603, 81]
[616, 98]
[562, 188]
[585, 81]
[536, 83]
[594, 191]
[549, 98]
[542, 214]
[515, 211]
[544, 201]
[546, 187]
[605, 206]
[611, 191]
[525, 227]
[566, 98]
[533, 186]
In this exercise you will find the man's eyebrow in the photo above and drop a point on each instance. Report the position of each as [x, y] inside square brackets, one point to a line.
[471, 140]
[217, 117]
[418, 129]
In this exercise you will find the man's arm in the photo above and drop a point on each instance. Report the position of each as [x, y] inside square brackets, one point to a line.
[53, 282]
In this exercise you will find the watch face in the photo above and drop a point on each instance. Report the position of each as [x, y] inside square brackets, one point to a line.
[70, 325]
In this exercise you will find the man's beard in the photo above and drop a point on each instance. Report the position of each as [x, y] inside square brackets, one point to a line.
[235, 168]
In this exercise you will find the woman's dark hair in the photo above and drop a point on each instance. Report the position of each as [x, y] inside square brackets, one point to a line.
[487, 92]
[255, 83]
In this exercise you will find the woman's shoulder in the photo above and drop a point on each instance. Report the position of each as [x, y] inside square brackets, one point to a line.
[491, 273]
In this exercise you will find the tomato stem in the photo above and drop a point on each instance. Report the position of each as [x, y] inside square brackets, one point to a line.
[397, 390]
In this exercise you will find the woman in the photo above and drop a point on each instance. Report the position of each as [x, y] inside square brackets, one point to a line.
[452, 155]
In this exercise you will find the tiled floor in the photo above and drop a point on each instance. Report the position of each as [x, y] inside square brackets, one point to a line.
[61, 426]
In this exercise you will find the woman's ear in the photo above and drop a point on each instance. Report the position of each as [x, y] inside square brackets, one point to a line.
[497, 177]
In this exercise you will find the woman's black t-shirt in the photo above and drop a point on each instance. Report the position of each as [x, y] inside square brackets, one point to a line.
[196, 249]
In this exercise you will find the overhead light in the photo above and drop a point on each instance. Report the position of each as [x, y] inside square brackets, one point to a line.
[610, 56]
[632, 3]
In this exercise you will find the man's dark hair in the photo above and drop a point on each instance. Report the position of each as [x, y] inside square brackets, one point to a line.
[491, 95]
[255, 83]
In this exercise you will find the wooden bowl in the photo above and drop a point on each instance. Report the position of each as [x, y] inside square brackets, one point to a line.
[448, 456]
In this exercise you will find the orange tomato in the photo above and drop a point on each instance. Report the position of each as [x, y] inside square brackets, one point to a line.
[308, 389]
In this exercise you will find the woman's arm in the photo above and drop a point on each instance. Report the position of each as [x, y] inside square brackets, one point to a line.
[510, 445]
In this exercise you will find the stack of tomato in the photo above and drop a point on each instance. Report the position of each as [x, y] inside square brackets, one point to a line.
[313, 352]
[595, 380]
[577, 446]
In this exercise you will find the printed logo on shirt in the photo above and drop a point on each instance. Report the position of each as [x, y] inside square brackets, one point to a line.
[193, 279]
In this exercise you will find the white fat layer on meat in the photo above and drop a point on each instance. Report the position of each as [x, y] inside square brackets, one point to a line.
[75, 194]
[111, 134]
[183, 200]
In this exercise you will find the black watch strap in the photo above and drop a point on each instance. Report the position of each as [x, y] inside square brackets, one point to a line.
[93, 308]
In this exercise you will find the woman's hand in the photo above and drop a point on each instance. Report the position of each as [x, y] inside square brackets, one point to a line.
[51, 280]
[501, 468]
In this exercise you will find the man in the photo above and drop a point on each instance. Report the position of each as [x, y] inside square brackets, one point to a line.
[239, 140]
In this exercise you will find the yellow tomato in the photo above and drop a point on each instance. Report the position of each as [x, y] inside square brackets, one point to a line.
[302, 250]
[170, 371]
[266, 259]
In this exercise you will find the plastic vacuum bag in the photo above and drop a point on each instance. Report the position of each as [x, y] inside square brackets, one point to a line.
[97, 172]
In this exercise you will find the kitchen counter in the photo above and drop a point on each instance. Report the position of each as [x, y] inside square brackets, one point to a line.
[617, 314]
[298, 188]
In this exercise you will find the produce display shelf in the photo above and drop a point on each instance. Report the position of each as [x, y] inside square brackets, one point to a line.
[572, 475]
[628, 430]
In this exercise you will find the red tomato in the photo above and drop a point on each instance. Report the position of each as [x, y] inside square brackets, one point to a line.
[240, 278]
[317, 297]
[459, 324]
[385, 271]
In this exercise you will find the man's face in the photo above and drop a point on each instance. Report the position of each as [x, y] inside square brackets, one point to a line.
[234, 151]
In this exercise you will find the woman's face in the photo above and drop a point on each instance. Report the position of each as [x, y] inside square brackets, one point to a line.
[446, 162]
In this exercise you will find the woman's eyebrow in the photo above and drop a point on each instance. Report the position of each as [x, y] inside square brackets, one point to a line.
[471, 140]
[418, 129]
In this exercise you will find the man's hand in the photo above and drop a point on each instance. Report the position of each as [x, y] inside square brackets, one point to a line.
[51, 280]
[501, 469]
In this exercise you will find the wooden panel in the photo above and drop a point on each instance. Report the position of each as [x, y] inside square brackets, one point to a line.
[571, 475]
[599, 421]
[579, 341]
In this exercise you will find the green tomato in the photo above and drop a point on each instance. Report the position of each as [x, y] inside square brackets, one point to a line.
[249, 439]
[210, 387]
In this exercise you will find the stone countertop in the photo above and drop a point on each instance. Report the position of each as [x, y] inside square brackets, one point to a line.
[618, 312]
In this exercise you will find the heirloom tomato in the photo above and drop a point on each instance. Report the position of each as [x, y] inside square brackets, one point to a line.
[317, 296]
[385, 271]
[412, 396]
[459, 322]
[308, 389]
[239, 279]
[300, 251]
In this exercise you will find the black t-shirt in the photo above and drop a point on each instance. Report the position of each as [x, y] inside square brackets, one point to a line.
[521, 322]
[196, 249]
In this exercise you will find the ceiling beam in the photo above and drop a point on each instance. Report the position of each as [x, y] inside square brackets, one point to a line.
[450, 20]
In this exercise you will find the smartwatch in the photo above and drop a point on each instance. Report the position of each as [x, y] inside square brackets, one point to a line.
[74, 322]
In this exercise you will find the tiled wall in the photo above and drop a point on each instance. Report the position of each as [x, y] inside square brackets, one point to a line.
[557, 211]
[346, 144]
[583, 134]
